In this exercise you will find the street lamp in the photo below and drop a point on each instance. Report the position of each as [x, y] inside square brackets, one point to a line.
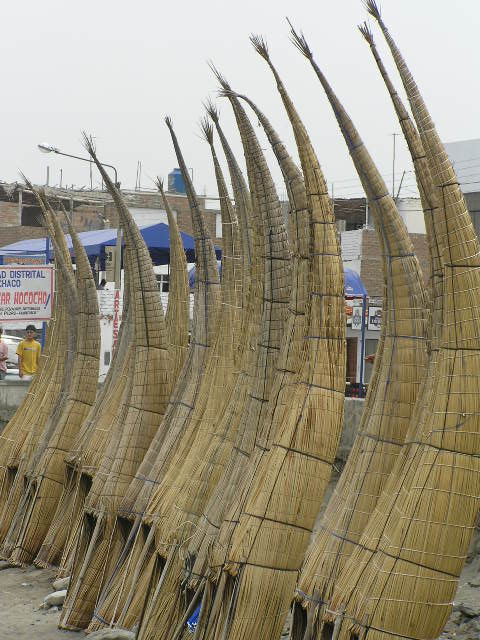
[45, 147]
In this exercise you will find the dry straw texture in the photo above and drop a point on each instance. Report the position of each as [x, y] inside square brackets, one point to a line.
[270, 310]
[27, 448]
[46, 478]
[270, 540]
[268, 288]
[45, 385]
[258, 368]
[177, 318]
[84, 457]
[199, 457]
[288, 359]
[186, 407]
[400, 582]
[397, 378]
[140, 412]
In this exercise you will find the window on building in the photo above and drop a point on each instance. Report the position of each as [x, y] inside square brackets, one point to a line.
[163, 282]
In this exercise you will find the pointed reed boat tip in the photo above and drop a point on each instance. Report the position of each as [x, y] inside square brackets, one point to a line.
[373, 9]
[212, 109]
[88, 144]
[260, 46]
[168, 122]
[366, 32]
[300, 42]
[221, 79]
[207, 130]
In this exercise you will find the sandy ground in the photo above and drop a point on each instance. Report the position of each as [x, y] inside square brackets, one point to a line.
[21, 593]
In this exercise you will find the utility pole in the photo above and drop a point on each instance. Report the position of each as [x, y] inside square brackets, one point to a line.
[393, 165]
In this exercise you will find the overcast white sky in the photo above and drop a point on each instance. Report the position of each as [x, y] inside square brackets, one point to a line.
[116, 68]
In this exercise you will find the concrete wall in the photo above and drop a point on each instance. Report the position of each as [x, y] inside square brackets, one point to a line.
[351, 420]
[11, 395]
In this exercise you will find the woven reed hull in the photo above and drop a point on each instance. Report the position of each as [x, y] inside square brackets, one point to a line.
[178, 310]
[435, 502]
[94, 542]
[175, 421]
[12, 479]
[38, 389]
[194, 472]
[363, 551]
[73, 496]
[39, 386]
[289, 359]
[85, 454]
[41, 389]
[141, 420]
[248, 609]
[48, 473]
[197, 431]
[381, 435]
[69, 511]
[269, 334]
[138, 418]
[274, 532]
[174, 425]
[122, 599]
[169, 521]
[26, 445]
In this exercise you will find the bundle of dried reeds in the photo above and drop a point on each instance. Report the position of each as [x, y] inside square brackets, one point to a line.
[177, 317]
[256, 395]
[43, 385]
[269, 541]
[45, 479]
[186, 392]
[291, 345]
[139, 413]
[199, 457]
[266, 338]
[289, 359]
[34, 431]
[243, 209]
[185, 396]
[117, 586]
[401, 582]
[83, 459]
[40, 386]
[400, 368]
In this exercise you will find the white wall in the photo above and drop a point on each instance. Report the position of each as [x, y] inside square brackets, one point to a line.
[144, 216]
[351, 243]
[412, 214]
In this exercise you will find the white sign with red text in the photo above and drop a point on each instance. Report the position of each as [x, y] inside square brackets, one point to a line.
[26, 292]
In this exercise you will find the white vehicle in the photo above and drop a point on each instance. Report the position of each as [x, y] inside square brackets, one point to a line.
[12, 343]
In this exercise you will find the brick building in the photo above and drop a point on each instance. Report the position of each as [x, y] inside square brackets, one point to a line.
[20, 217]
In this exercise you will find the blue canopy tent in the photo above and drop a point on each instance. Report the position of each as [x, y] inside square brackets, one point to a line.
[156, 236]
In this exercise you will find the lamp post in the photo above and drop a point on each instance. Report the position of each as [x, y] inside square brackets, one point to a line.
[49, 148]
[44, 147]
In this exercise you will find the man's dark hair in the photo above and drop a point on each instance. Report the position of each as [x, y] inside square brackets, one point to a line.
[30, 327]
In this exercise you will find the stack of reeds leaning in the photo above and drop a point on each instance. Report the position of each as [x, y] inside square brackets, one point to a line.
[181, 498]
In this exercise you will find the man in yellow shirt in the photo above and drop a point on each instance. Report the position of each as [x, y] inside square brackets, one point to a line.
[28, 352]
